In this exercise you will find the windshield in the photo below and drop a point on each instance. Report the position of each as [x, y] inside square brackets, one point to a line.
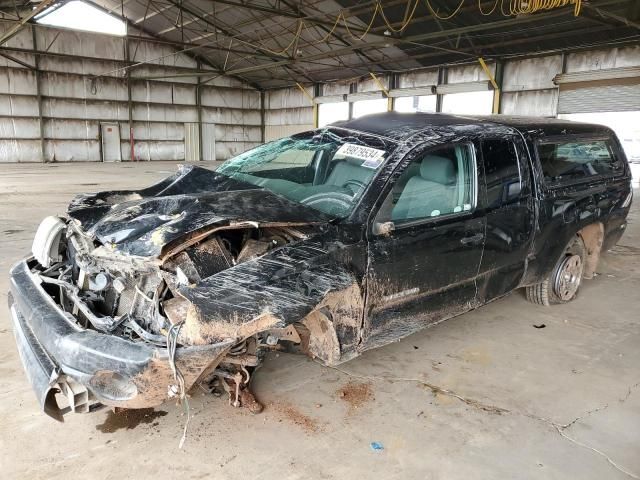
[326, 170]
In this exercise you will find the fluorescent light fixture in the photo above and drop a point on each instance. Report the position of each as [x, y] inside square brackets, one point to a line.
[78, 15]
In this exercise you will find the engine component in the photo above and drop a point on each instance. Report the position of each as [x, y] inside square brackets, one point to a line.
[98, 282]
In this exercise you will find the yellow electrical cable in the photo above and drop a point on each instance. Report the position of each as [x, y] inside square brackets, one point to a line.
[281, 52]
[516, 7]
[366, 31]
[433, 12]
[405, 23]
[495, 5]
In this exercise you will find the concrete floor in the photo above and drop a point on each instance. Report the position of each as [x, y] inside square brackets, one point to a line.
[484, 395]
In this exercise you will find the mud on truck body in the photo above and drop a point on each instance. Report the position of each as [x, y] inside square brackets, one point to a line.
[329, 243]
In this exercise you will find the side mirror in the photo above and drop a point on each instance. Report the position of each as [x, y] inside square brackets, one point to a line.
[384, 228]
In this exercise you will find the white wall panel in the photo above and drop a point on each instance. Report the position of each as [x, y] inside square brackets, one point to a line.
[154, 131]
[159, 55]
[605, 58]
[149, 151]
[72, 129]
[19, 128]
[335, 88]
[19, 106]
[18, 81]
[55, 84]
[468, 73]
[419, 78]
[84, 44]
[238, 133]
[81, 66]
[539, 103]
[22, 39]
[370, 85]
[54, 107]
[231, 117]
[164, 113]
[273, 132]
[152, 92]
[288, 98]
[72, 151]
[290, 116]
[162, 74]
[231, 98]
[24, 57]
[12, 151]
[531, 74]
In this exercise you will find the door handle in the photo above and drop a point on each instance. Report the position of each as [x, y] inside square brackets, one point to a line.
[474, 239]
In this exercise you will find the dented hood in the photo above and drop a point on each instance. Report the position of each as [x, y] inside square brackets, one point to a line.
[195, 199]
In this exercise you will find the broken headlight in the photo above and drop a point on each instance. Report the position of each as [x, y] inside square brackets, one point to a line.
[46, 243]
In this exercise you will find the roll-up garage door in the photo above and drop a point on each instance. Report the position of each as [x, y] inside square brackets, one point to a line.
[615, 90]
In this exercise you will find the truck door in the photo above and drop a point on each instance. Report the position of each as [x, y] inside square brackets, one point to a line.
[426, 244]
[509, 210]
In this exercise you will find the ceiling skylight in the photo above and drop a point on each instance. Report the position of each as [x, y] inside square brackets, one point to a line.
[78, 15]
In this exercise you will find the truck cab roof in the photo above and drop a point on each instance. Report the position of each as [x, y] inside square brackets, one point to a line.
[402, 126]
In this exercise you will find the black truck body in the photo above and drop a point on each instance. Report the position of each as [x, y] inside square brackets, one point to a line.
[356, 235]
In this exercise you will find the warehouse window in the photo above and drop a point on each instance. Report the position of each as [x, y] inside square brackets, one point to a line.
[468, 103]
[332, 112]
[367, 107]
[423, 103]
[82, 16]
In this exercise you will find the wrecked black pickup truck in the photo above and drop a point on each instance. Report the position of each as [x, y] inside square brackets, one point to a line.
[329, 243]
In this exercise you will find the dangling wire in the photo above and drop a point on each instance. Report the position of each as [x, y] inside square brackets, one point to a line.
[433, 12]
[486, 14]
[172, 343]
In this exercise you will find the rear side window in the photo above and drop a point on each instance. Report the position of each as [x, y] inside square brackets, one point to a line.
[502, 173]
[570, 160]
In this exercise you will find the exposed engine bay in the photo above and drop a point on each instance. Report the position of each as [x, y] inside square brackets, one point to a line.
[138, 298]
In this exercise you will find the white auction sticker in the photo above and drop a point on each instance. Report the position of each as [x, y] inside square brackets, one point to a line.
[372, 157]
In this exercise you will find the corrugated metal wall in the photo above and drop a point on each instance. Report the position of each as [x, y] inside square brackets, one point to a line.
[287, 111]
[55, 114]
[527, 85]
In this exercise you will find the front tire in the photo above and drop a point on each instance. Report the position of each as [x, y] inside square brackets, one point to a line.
[562, 285]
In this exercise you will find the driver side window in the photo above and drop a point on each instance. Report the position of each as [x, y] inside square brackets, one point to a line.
[439, 182]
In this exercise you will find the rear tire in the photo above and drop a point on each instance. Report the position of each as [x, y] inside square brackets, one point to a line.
[562, 285]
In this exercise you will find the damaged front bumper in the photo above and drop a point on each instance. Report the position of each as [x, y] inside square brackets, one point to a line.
[87, 367]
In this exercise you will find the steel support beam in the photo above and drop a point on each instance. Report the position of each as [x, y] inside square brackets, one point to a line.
[38, 93]
[199, 107]
[511, 22]
[17, 60]
[13, 31]
[127, 54]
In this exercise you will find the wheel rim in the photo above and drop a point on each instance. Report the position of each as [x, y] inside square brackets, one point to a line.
[568, 277]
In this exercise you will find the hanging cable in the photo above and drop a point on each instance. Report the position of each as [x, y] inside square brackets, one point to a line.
[433, 12]
[172, 343]
[486, 14]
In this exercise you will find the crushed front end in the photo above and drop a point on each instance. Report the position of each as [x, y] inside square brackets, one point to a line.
[96, 326]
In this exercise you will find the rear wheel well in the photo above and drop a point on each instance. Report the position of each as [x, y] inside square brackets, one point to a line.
[592, 236]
